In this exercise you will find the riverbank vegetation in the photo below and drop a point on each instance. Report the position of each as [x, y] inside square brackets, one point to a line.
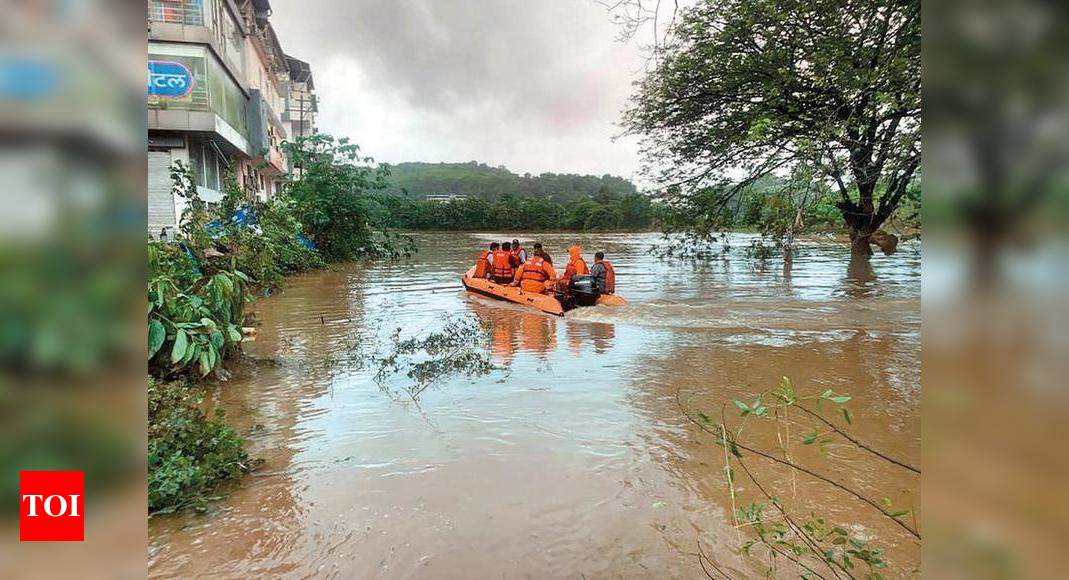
[200, 283]
[189, 454]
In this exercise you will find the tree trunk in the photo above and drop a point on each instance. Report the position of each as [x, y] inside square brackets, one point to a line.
[860, 244]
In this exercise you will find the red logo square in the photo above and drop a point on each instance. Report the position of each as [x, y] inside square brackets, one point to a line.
[51, 506]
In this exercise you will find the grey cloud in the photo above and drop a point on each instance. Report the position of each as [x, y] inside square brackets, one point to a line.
[485, 72]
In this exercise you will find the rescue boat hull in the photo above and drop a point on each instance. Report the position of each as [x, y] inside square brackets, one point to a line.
[542, 302]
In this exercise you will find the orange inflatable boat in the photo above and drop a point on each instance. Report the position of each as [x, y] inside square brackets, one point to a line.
[544, 302]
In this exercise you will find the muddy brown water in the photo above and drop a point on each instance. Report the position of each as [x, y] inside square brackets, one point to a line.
[573, 459]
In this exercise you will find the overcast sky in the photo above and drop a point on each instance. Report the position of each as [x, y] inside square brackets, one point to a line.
[535, 85]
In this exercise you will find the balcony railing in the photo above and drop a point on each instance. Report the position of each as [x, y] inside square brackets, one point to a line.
[190, 12]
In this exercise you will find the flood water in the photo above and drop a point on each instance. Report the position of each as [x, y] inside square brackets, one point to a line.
[573, 459]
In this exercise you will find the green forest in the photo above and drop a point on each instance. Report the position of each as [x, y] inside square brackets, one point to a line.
[416, 180]
[498, 199]
[604, 211]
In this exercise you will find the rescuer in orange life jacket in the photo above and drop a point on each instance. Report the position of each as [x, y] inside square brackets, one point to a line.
[520, 253]
[484, 260]
[535, 275]
[501, 268]
[604, 274]
[576, 267]
[538, 251]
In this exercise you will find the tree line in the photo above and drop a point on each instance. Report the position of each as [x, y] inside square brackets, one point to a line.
[605, 211]
[415, 180]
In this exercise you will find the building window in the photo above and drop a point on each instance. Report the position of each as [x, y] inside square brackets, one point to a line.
[213, 88]
[189, 12]
[208, 167]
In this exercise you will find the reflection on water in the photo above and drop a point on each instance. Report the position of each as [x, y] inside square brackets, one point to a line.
[574, 458]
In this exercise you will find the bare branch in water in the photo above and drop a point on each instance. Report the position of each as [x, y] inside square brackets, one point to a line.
[734, 442]
[460, 348]
[853, 440]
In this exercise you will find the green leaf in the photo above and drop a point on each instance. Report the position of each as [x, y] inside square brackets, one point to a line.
[191, 353]
[217, 339]
[181, 341]
[208, 323]
[745, 409]
[899, 514]
[809, 439]
[234, 333]
[826, 394]
[840, 399]
[846, 415]
[203, 359]
[225, 282]
[157, 334]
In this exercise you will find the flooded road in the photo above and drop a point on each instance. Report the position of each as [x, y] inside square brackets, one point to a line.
[573, 459]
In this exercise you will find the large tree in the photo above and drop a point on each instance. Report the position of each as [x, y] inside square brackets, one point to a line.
[744, 88]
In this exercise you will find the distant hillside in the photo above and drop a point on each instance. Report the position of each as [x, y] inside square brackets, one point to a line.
[478, 179]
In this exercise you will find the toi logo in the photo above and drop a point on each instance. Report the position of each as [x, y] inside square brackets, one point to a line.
[51, 506]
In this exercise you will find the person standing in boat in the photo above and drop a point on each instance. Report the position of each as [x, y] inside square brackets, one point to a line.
[520, 253]
[603, 273]
[535, 276]
[501, 268]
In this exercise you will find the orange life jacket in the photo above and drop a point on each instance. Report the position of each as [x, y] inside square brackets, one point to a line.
[519, 257]
[610, 278]
[501, 266]
[576, 268]
[535, 270]
[482, 265]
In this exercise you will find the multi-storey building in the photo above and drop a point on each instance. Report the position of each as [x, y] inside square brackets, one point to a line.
[268, 74]
[218, 86]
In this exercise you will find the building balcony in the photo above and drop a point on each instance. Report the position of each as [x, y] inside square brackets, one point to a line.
[190, 91]
[214, 23]
[265, 129]
[276, 159]
[186, 12]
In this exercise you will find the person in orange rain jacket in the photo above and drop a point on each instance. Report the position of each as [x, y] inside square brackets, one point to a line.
[501, 269]
[535, 275]
[520, 253]
[483, 261]
[576, 267]
[603, 272]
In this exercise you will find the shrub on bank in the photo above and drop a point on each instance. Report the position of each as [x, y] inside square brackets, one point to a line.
[189, 453]
[198, 286]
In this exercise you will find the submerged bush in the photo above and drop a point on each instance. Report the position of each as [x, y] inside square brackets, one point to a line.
[189, 454]
[194, 320]
[460, 348]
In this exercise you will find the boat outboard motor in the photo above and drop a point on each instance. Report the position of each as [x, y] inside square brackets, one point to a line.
[584, 290]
